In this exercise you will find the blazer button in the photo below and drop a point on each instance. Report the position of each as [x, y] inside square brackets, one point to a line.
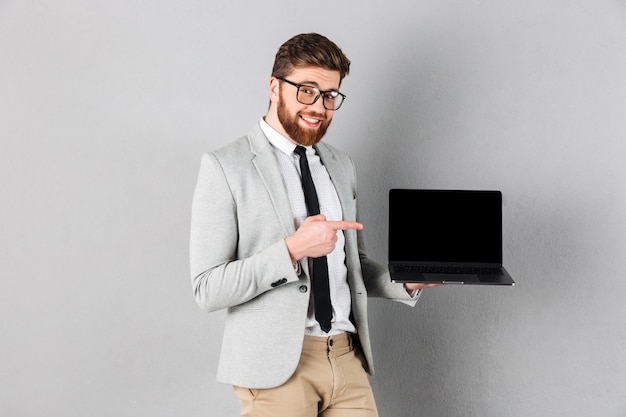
[303, 288]
[279, 282]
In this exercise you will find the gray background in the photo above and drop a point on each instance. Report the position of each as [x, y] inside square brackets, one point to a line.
[107, 106]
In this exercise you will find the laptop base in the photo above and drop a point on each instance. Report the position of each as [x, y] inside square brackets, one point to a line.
[459, 279]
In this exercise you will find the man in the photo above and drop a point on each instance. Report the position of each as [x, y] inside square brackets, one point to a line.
[295, 344]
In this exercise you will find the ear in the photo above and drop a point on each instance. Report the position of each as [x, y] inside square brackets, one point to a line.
[274, 88]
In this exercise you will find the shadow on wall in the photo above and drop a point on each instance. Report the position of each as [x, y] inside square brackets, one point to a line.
[408, 342]
[419, 98]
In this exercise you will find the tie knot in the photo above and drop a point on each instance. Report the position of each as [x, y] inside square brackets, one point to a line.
[301, 150]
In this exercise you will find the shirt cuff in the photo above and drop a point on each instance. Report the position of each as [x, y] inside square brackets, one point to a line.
[297, 268]
[413, 293]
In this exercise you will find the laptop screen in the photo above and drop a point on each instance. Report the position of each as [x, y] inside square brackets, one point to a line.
[445, 226]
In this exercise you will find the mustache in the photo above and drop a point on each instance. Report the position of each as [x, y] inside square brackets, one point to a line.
[313, 114]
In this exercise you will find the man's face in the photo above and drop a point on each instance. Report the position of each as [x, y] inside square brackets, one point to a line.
[306, 124]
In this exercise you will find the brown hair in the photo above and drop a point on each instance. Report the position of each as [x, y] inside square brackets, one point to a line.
[310, 49]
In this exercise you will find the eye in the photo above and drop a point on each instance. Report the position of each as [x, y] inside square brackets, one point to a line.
[307, 89]
[331, 95]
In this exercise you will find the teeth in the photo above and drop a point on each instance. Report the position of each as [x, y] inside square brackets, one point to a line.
[310, 120]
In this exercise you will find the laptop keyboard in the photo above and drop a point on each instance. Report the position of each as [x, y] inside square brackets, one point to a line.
[437, 269]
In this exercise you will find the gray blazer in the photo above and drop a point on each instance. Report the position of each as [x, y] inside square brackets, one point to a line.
[241, 216]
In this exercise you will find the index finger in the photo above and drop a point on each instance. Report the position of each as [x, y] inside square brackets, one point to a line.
[343, 225]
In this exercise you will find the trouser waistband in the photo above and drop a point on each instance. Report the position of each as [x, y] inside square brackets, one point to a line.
[329, 343]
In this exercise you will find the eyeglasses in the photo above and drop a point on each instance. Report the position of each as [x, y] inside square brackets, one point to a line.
[307, 94]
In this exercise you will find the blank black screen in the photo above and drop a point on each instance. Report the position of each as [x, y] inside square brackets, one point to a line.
[445, 226]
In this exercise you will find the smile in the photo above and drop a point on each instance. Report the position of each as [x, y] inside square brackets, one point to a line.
[310, 121]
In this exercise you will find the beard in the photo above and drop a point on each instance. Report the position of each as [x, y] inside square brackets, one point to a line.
[302, 135]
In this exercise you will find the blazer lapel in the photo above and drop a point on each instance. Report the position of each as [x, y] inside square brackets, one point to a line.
[267, 168]
[341, 175]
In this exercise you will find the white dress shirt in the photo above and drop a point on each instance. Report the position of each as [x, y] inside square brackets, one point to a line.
[288, 162]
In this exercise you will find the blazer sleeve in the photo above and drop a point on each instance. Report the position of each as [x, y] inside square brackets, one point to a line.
[378, 283]
[221, 277]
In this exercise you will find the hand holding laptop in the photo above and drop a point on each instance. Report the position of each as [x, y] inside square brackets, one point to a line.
[409, 286]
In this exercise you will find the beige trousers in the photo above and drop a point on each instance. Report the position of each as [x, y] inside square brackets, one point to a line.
[329, 382]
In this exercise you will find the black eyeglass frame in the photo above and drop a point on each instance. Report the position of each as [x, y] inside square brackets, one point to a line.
[320, 93]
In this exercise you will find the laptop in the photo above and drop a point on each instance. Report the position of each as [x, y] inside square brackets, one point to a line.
[446, 237]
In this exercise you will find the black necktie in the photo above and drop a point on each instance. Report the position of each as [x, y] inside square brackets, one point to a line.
[321, 292]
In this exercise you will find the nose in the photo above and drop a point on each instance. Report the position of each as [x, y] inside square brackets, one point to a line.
[319, 105]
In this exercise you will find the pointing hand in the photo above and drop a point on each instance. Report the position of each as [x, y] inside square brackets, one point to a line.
[317, 237]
